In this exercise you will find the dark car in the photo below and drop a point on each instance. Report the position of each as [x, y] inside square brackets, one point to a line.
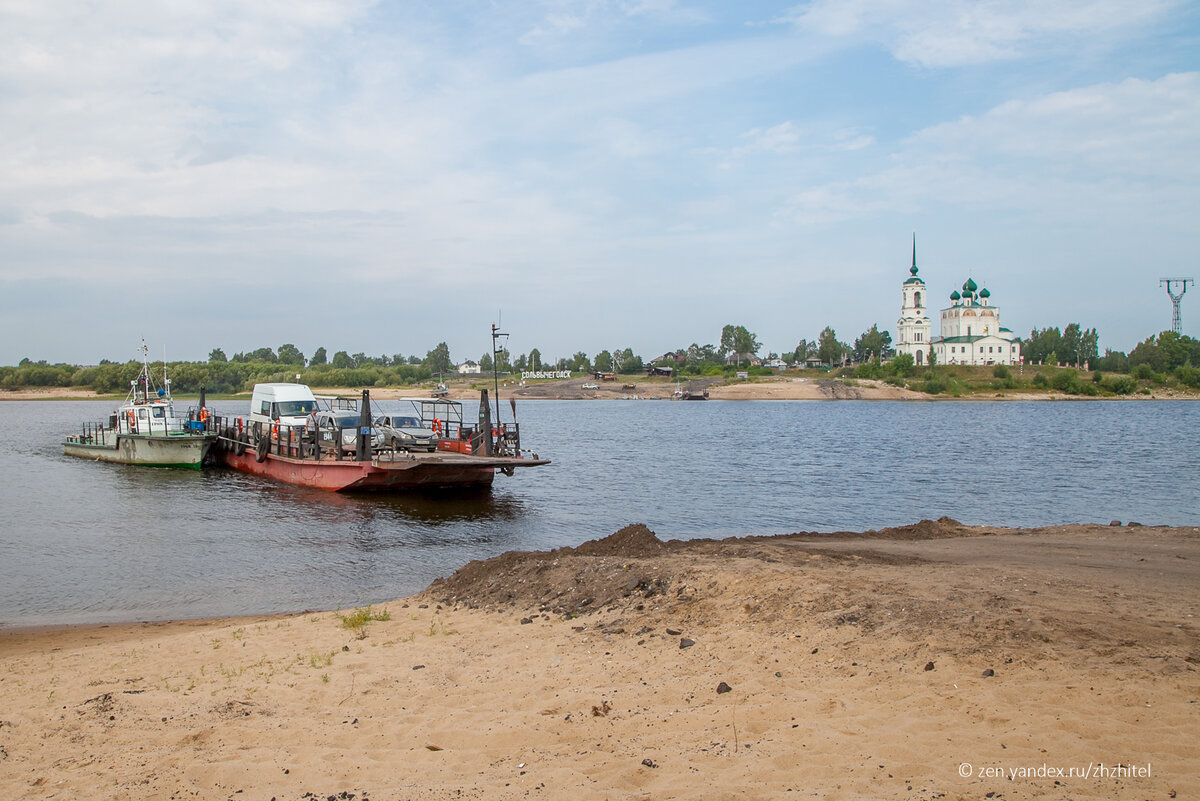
[405, 432]
[328, 425]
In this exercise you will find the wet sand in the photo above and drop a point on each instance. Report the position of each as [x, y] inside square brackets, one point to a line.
[931, 661]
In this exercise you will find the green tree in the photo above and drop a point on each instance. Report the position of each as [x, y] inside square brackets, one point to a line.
[1166, 352]
[535, 360]
[318, 357]
[485, 363]
[1068, 347]
[873, 343]
[625, 361]
[1113, 361]
[342, 361]
[1089, 346]
[829, 349]
[1041, 345]
[736, 339]
[603, 361]
[805, 350]
[262, 355]
[438, 359]
[290, 354]
[581, 363]
[217, 355]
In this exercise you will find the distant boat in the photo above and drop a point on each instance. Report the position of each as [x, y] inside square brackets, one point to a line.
[145, 430]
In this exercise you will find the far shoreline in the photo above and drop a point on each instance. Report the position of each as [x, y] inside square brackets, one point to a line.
[772, 389]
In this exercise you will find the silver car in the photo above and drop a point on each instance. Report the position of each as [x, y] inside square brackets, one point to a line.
[405, 432]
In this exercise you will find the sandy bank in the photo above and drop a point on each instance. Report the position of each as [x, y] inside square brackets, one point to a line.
[912, 663]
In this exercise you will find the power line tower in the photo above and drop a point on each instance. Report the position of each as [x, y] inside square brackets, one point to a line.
[1176, 300]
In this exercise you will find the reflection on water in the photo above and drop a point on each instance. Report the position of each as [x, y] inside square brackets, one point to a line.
[98, 542]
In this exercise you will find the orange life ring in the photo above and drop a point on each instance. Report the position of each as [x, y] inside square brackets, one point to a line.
[437, 426]
[132, 420]
[275, 431]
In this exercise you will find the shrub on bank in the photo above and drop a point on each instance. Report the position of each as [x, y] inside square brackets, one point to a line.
[1066, 381]
[934, 384]
[870, 370]
[1188, 376]
[1119, 384]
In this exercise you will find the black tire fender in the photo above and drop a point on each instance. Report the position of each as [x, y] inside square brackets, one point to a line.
[260, 450]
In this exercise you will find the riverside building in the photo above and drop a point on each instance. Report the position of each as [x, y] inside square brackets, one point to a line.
[970, 326]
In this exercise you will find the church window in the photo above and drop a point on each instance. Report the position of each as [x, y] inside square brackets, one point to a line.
[917, 299]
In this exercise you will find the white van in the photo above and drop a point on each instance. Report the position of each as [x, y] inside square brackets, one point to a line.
[286, 404]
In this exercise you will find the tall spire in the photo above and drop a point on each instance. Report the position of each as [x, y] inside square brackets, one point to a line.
[913, 269]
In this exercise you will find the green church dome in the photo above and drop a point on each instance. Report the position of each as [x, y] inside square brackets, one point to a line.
[954, 295]
[970, 286]
[983, 293]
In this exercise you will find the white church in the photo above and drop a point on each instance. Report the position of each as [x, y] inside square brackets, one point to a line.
[970, 332]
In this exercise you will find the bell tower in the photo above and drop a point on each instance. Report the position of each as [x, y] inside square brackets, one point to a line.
[912, 330]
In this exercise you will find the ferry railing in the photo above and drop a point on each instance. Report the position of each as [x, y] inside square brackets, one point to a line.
[89, 434]
[298, 443]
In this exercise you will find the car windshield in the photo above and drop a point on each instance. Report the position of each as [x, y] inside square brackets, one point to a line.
[345, 421]
[406, 422]
[296, 408]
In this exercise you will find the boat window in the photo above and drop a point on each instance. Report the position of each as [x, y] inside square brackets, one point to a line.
[296, 408]
[142, 414]
[158, 412]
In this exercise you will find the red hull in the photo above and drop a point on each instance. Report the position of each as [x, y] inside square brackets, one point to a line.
[419, 472]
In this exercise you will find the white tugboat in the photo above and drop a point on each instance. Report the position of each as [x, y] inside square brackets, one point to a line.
[145, 429]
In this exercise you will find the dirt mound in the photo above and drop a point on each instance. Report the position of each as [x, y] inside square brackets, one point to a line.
[635, 563]
[634, 540]
[938, 529]
[576, 580]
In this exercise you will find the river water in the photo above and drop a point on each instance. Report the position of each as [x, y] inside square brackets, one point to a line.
[85, 542]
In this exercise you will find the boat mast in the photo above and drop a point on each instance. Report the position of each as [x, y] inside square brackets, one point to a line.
[497, 335]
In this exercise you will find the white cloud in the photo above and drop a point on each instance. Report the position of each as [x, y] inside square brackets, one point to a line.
[941, 33]
[782, 138]
[1112, 151]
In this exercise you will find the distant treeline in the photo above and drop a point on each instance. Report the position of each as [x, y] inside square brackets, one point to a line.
[1167, 354]
[216, 377]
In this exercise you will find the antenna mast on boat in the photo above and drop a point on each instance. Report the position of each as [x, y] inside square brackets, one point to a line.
[497, 336]
[166, 381]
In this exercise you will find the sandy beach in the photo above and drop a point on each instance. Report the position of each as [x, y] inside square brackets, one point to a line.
[930, 661]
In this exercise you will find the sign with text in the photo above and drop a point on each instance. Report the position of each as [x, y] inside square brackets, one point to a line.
[545, 374]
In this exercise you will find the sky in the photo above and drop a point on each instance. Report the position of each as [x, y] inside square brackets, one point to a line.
[379, 177]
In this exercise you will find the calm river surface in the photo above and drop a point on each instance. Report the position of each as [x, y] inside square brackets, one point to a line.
[84, 542]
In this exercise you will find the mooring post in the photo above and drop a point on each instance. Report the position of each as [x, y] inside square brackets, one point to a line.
[484, 432]
[364, 427]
